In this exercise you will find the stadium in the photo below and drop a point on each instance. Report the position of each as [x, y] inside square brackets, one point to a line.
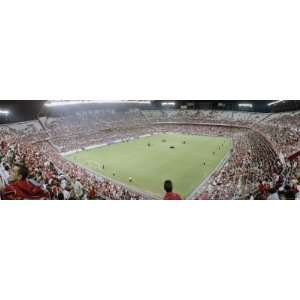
[127, 150]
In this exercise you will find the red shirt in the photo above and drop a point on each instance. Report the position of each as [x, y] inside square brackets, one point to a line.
[3, 145]
[204, 196]
[172, 196]
[92, 194]
[22, 190]
[261, 188]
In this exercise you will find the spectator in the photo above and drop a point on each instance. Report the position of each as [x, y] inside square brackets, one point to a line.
[20, 188]
[168, 186]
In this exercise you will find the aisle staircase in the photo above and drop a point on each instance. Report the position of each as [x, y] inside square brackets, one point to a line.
[42, 124]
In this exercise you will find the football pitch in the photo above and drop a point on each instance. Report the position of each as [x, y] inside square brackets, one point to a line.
[150, 166]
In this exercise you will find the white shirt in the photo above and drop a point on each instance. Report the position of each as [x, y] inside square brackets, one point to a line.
[273, 197]
[63, 184]
[66, 195]
[4, 174]
[78, 189]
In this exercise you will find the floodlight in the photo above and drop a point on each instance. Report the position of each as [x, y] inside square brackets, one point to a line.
[76, 102]
[168, 103]
[4, 112]
[245, 105]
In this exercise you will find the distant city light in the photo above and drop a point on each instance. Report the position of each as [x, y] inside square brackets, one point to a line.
[4, 112]
[245, 105]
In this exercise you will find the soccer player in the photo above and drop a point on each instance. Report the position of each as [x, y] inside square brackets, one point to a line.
[130, 179]
[168, 186]
[103, 167]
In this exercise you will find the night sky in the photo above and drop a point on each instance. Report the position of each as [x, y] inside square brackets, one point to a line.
[21, 110]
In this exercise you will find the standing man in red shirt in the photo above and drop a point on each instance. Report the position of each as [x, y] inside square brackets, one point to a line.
[168, 186]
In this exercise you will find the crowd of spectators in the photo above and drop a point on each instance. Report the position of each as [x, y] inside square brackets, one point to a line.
[56, 177]
[285, 138]
[253, 170]
[283, 130]
[252, 160]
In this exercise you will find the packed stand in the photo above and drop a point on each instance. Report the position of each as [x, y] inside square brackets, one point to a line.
[49, 176]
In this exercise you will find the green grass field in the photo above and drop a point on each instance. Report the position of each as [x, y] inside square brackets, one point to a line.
[151, 166]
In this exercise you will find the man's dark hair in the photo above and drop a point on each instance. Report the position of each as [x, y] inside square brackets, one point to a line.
[290, 195]
[168, 186]
[22, 170]
[60, 196]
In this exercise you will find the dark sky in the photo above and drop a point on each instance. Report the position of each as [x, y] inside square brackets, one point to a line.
[21, 110]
